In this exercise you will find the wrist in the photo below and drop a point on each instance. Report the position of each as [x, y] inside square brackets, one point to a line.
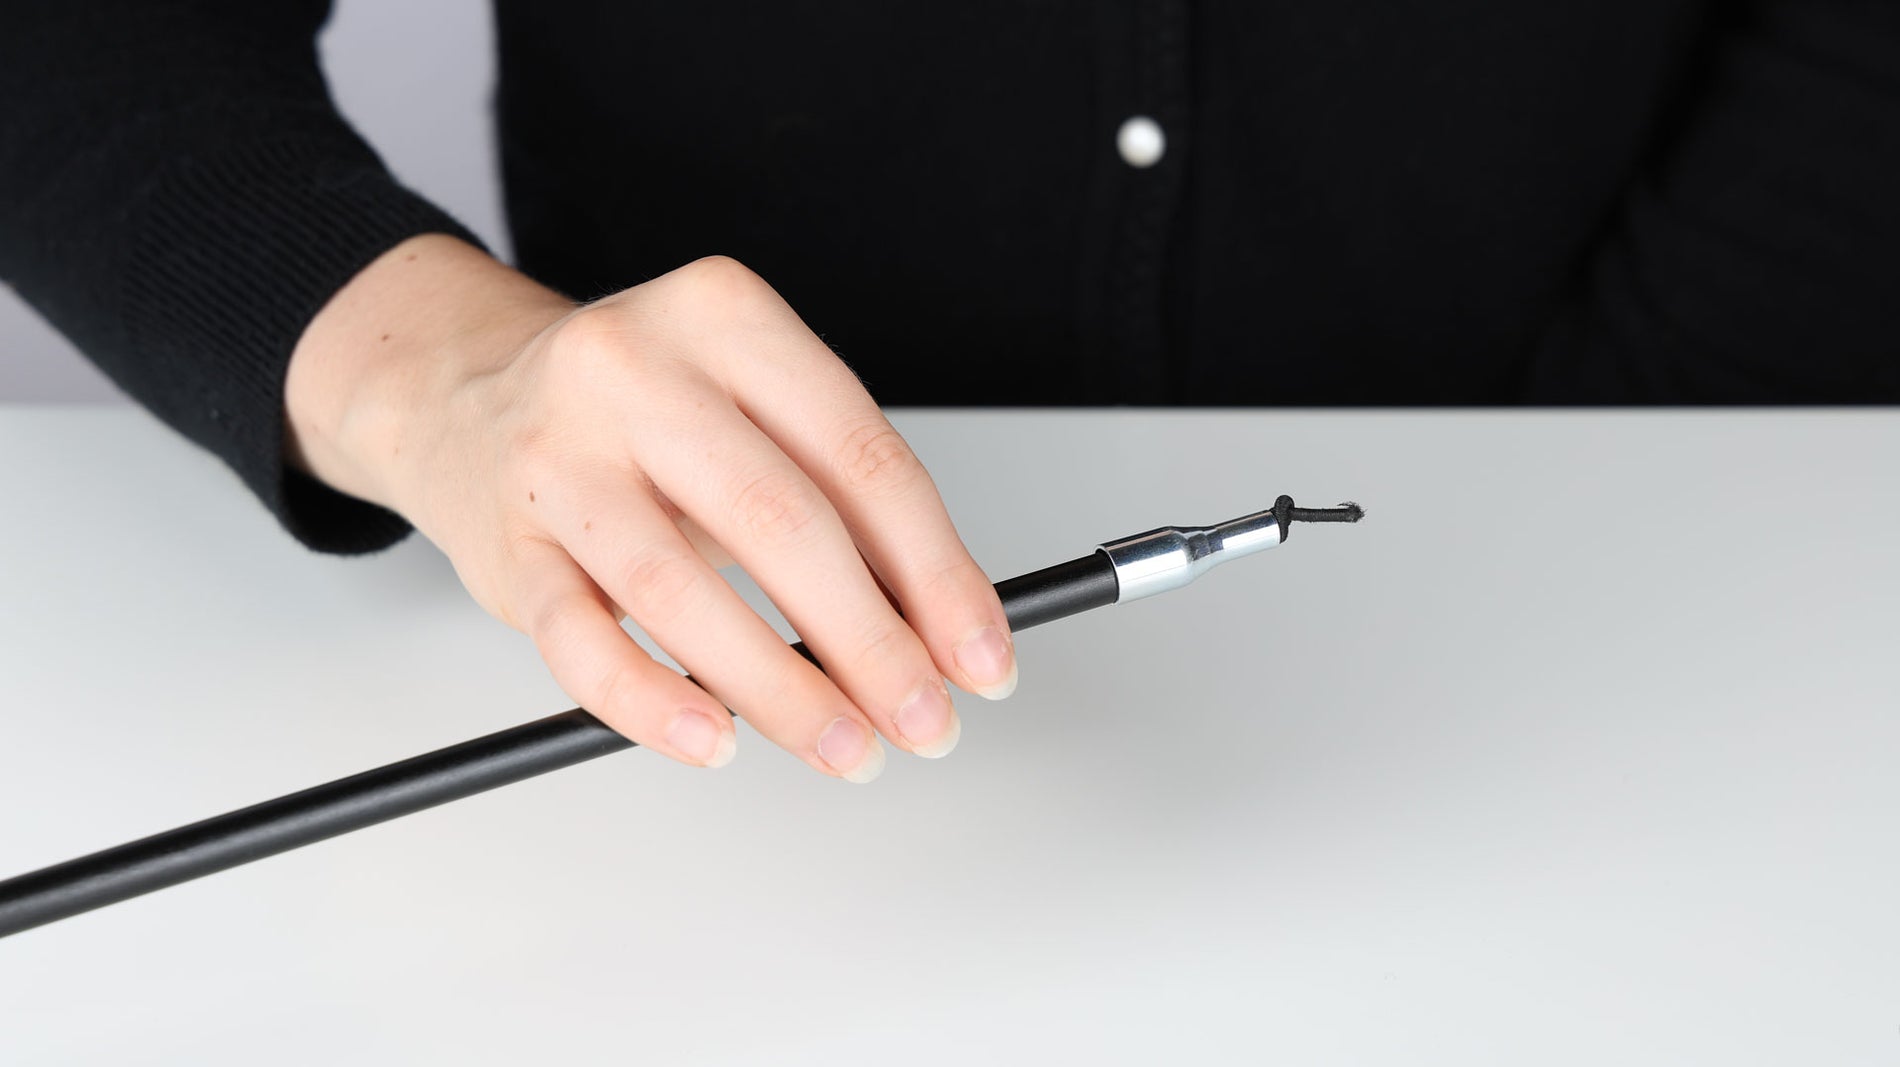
[370, 379]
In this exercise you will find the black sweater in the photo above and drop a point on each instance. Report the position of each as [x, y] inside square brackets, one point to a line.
[1442, 201]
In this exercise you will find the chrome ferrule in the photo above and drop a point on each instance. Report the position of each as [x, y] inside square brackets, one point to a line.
[1171, 557]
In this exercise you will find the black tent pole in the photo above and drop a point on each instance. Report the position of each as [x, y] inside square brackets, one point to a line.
[1117, 572]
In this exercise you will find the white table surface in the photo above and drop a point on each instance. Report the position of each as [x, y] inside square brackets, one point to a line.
[1583, 748]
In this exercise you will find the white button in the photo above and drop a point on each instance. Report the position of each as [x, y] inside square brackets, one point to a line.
[1141, 142]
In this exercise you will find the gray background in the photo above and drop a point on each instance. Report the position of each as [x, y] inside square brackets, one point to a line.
[414, 76]
[1579, 750]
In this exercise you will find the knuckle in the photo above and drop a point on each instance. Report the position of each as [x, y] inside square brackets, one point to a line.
[537, 455]
[773, 507]
[885, 644]
[509, 580]
[723, 274]
[874, 457]
[960, 578]
[503, 608]
[614, 351]
[605, 683]
[614, 688]
[591, 337]
[720, 293]
[658, 585]
[555, 626]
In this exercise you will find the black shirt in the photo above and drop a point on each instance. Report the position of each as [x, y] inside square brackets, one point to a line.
[1443, 202]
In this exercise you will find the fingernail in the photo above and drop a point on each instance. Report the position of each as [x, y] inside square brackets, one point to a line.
[697, 737]
[927, 721]
[985, 656]
[851, 750]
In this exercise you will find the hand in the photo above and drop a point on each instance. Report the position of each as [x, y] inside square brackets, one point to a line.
[581, 465]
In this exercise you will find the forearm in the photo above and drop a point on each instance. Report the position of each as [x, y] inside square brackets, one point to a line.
[389, 348]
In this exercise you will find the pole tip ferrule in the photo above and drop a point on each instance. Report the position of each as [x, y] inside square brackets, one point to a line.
[1172, 556]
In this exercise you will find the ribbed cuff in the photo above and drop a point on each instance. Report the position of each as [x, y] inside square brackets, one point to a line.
[234, 255]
